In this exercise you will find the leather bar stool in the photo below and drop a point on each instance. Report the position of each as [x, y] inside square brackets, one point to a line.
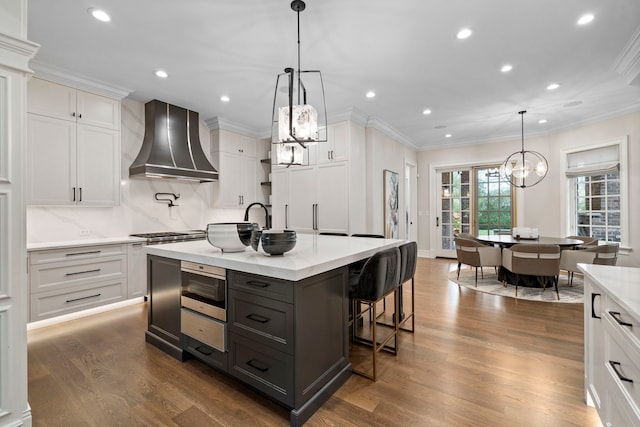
[379, 277]
[408, 263]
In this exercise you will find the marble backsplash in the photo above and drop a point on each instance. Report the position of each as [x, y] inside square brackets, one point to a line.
[138, 211]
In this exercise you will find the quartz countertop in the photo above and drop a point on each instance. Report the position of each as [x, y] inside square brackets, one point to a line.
[83, 242]
[313, 254]
[621, 283]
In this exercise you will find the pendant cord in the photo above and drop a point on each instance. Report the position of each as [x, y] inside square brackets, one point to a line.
[298, 13]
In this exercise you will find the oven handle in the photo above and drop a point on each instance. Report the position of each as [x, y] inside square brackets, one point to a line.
[204, 273]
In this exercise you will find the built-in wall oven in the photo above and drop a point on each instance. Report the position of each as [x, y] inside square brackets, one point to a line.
[203, 313]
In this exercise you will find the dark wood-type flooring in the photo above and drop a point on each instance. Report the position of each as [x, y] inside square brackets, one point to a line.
[475, 360]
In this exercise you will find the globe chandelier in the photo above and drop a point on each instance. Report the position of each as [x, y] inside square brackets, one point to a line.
[524, 168]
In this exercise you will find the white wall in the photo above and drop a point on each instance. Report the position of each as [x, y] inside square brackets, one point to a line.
[138, 212]
[383, 152]
[544, 205]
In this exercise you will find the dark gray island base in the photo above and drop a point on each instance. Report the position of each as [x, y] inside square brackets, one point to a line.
[286, 339]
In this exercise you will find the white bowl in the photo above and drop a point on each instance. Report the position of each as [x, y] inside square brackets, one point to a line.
[230, 236]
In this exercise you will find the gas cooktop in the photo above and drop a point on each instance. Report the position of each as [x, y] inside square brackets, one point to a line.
[171, 236]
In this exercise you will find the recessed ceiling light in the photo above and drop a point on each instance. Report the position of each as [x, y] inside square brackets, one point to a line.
[371, 94]
[426, 112]
[506, 68]
[162, 74]
[585, 19]
[440, 127]
[553, 86]
[464, 33]
[572, 104]
[448, 135]
[542, 121]
[225, 98]
[99, 14]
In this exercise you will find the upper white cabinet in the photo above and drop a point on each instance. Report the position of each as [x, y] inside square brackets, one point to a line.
[234, 156]
[73, 146]
[335, 149]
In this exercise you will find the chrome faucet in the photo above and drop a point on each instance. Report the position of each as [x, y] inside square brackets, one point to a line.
[266, 214]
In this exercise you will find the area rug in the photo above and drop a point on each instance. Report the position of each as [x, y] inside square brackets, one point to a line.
[491, 285]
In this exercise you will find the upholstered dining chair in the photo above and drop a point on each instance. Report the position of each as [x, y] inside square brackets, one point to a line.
[586, 240]
[602, 254]
[465, 236]
[476, 254]
[541, 261]
[379, 277]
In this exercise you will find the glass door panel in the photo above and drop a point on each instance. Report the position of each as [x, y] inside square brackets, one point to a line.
[494, 203]
[453, 210]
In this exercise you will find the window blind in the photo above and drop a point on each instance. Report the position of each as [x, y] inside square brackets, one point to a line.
[597, 161]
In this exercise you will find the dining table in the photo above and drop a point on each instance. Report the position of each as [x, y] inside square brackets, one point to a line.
[506, 241]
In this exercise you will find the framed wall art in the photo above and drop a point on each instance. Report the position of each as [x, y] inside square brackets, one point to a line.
[390, 204]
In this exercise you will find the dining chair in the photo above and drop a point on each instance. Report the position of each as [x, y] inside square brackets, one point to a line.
[586, 240]
[476, 254]
[607, 254]
[540, 261]
[602, 254]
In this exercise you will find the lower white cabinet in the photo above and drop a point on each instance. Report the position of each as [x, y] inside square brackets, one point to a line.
[612, 344]
[67, 280]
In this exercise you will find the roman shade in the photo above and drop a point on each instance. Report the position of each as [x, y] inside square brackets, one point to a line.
[597, 161]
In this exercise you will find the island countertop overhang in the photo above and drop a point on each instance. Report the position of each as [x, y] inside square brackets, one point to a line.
[312, 255]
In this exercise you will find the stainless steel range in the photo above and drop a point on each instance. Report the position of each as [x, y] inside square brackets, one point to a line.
[171, 236]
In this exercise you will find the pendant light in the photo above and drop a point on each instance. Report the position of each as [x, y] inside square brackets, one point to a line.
[524, 168]
[294, 119]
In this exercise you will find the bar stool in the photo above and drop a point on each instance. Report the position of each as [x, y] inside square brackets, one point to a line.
[408, 262]
[379, 277]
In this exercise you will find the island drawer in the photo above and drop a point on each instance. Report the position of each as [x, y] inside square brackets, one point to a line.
[629, 326]
[269, 287]
[261, 319]
[61, 275]
[204, 353]
[56, 303]
[80, 252]
[202, 328]
[264, 368]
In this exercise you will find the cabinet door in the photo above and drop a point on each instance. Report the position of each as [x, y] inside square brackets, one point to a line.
[51, 99]
[51, 157]
[595, 343]
[98, 166]
[336, 147]
[332, 198]
[136, 270]
[280, 198]
[248, 180]
[165, 279]
[96, 110]
[302, 199]
[230, 181]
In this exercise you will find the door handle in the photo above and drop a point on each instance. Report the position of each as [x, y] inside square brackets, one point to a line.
[80, 195]
[286, 216]
[593, 308]
[74, 194]
[615, 315]
[437, 221]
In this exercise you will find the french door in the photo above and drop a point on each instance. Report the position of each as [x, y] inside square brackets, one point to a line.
[471, 200]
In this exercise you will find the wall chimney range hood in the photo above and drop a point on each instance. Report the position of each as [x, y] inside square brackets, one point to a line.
[171, 145]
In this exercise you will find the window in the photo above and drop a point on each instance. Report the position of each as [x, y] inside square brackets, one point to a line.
[493, 202]
[598, 192]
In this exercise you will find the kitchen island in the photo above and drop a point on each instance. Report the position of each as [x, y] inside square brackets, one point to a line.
[287, 316]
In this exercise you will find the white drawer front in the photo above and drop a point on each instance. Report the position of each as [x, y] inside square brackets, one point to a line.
[46, 277]
[621, 317]
[622, 361]
[80, 252]
[51, 304]
[203, 329]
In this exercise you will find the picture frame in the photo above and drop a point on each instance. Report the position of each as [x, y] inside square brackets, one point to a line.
[390, 200]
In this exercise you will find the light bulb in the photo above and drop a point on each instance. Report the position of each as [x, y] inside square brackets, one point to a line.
[541, 168]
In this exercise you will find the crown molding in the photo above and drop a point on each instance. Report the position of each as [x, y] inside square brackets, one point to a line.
[628, 62]
[231, 126]
[348, 114]
[65, 77]
[16, 53]
[382, 126]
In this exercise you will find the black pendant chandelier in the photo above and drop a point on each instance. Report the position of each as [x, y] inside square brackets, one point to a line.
[295, 122]
[524, 168]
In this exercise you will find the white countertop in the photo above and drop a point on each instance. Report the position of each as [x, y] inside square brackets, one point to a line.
[313, 254]
[83, 242]
[621, 283]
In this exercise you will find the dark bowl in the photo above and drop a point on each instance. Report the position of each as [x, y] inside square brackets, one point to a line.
[273, 242]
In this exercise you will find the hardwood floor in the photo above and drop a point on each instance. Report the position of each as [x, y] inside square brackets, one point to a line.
[475, 360]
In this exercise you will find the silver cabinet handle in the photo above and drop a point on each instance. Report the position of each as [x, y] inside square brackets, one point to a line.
[81, 298]
[82, 253]
[83, 272]
[286, 216]
[74, 194]
[80, 195]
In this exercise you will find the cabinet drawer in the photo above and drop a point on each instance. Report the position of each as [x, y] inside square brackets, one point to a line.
[261, 319]
[203, 329]
[632, 330]
[625, 358]
[268, 370]
[205, 353]
[45, 277]
[277, 289]
[81, 252]
[56, 303]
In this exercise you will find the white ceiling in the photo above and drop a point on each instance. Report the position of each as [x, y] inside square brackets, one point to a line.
[404, 50]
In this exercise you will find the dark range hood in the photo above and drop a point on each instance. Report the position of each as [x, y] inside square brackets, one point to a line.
[171, 146]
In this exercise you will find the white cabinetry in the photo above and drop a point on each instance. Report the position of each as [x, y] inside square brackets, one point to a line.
[280, 198]
[63, 281]
[73, 146]
[612, 343]
[335, 149]
[234, 156]
[136, 271]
